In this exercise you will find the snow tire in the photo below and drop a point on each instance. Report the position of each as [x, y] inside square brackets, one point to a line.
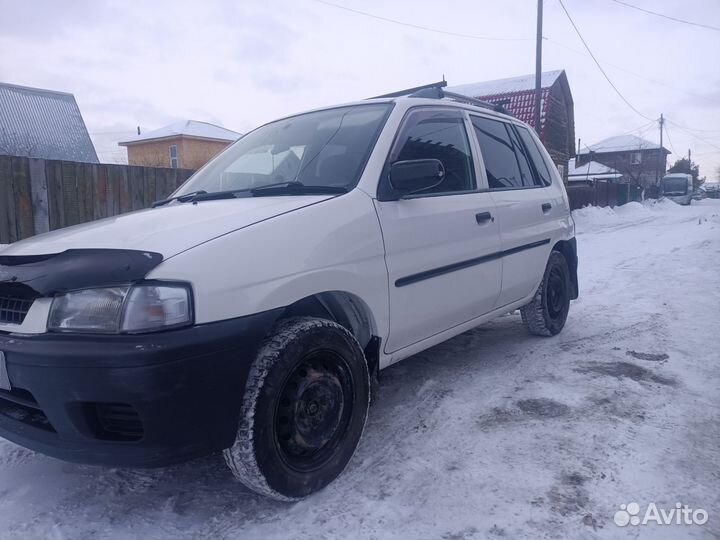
[548, 311]
[309, 378]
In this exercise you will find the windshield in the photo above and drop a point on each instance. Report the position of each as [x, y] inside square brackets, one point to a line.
[675, 186]
[326, 148]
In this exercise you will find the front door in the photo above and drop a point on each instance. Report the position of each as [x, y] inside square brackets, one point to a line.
[442, 245]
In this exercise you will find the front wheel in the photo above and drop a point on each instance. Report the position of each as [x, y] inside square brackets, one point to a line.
[548, 311]
[304, 409]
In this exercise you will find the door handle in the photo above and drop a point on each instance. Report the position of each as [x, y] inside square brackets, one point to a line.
[483, 217]
[546, 207]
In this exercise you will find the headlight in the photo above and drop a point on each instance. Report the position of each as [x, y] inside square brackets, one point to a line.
[134, 308]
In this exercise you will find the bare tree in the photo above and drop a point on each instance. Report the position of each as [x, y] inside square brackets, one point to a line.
[640, 173]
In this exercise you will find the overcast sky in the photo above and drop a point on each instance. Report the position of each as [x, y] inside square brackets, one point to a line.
[242, 63]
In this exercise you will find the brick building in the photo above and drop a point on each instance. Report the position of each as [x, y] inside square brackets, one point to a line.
[185, 145]
[517, 96]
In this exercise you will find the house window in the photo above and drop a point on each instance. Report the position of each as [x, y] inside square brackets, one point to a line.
[635, 158]
[173, 156]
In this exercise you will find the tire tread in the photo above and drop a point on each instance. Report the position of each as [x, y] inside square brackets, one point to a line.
[241, 456]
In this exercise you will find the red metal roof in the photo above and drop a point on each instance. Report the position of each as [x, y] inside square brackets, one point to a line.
[521, 105]
[517, 95]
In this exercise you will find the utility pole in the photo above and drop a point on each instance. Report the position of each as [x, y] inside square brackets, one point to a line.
[538, 66]
[689, 160]
[661, 154]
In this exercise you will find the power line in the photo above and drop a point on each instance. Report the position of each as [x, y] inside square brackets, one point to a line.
[701, 25]
[598, 63]
[672, 147]
[714, 101]
[693, 135]
[420, 27]
[698, 130]
[641, 130]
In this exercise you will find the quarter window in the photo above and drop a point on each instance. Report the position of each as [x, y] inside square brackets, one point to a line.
[506, 164]
[536, 156]
[439, 135]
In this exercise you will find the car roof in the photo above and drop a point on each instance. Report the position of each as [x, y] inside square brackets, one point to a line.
[408, 102]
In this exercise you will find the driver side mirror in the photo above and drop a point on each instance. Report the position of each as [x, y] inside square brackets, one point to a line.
[416, 175]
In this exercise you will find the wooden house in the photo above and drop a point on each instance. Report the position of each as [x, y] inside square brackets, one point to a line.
[517, 96]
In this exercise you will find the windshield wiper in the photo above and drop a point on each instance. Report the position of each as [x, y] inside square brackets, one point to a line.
[280, 188]
[296, 188]
[182, 198]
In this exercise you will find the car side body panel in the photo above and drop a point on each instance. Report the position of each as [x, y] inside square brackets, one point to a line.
[320, 248]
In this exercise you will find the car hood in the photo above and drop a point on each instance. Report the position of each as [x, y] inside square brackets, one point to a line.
[167, 230]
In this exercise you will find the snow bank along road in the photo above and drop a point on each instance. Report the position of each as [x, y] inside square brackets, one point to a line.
[493, 434]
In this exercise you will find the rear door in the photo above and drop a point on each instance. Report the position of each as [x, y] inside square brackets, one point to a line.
[525, 204]
[441, 245]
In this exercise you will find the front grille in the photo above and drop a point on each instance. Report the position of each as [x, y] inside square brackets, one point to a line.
[15, 302]
[117, 422]
[20, 405]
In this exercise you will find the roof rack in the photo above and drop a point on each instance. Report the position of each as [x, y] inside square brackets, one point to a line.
[435, 91]
[409, 91]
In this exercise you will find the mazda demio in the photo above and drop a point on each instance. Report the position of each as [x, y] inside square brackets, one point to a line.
[251, 311]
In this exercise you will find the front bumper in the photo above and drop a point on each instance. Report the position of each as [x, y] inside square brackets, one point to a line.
[133, 400]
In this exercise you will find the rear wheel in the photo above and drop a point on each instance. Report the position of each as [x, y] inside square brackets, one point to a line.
[548, 311]
[305, 405]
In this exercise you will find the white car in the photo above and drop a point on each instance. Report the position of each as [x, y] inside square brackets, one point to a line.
[252, 310]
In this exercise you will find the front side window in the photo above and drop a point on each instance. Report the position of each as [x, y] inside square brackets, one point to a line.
[506, 164]
[325, 148]
[438, 134]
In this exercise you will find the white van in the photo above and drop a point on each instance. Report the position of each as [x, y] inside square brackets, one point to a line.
[678, 187]
[252, 310]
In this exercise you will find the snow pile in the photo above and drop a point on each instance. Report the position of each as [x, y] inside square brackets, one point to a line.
[663, 204]
[595, 218]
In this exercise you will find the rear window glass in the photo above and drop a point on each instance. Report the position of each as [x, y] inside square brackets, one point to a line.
[536, 155]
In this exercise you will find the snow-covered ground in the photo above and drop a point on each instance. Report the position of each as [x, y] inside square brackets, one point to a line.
[493, 434]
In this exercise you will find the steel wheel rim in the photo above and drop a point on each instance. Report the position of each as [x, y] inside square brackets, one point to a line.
[555, 293]
[313, 411]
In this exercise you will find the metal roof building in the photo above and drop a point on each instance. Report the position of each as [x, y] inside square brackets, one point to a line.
[622, 143]
[517, 96]
[44, 124]
[187, 128]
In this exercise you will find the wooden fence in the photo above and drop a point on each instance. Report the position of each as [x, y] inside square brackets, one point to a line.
[39, 195]
[601, 193]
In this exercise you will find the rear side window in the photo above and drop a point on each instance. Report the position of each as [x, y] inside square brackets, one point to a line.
[536, 156]
[506, 164]
[439, 135]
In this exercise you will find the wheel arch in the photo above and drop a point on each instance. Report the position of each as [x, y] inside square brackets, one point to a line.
[568, 248]
[347, 310]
